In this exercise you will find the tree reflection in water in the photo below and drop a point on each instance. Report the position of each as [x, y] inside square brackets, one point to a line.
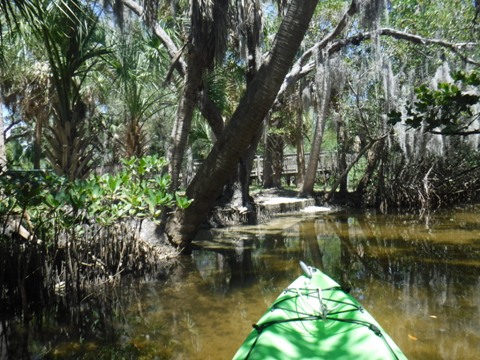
[420, 280]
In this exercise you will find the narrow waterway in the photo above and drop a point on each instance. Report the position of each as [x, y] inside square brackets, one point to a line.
[419, 277]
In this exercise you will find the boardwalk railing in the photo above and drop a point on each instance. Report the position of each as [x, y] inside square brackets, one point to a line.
[327, 163]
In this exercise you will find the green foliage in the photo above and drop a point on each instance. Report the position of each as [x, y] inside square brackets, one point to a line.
[138, 191]
[70, 44]
[132, 94]
[446, 19]
[447, 110]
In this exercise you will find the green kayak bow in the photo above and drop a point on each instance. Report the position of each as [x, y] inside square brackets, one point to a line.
[314, 318]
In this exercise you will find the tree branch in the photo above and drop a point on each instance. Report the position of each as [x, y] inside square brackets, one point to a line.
[302, 68]
[455, 133]
[415, 39]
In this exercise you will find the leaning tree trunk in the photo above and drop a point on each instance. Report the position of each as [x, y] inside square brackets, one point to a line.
[247, 119]
[343, 175]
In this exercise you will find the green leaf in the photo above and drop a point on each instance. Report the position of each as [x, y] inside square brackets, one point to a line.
[182, 201]
[113, 183]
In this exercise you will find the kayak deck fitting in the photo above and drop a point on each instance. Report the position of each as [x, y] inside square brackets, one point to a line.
[314, 318]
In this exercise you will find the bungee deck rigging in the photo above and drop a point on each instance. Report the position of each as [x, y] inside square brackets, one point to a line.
[314, 318]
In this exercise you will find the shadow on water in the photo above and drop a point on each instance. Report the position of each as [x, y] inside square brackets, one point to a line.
[419, 279]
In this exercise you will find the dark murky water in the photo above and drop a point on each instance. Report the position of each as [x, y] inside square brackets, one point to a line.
[419, 278]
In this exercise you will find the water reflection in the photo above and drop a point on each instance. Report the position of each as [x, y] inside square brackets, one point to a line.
[420, 280]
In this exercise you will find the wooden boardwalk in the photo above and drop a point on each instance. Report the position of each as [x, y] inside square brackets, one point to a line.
[327, 164]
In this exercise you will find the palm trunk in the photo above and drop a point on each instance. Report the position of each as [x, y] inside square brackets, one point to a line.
[215, 171]
[205, 46]
[207, 107]
[267, 181]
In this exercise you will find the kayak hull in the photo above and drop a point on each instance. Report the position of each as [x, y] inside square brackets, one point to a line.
[314, 318]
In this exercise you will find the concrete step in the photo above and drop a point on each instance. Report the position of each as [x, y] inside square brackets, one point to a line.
[283, 204]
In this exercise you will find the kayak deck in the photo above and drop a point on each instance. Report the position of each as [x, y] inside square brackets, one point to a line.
[314, 318]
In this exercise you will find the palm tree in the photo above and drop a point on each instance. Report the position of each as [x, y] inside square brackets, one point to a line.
[206, 44]
[207, 40]
[25, 83]
[68, 32]
[243, 126]
[133, 89]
